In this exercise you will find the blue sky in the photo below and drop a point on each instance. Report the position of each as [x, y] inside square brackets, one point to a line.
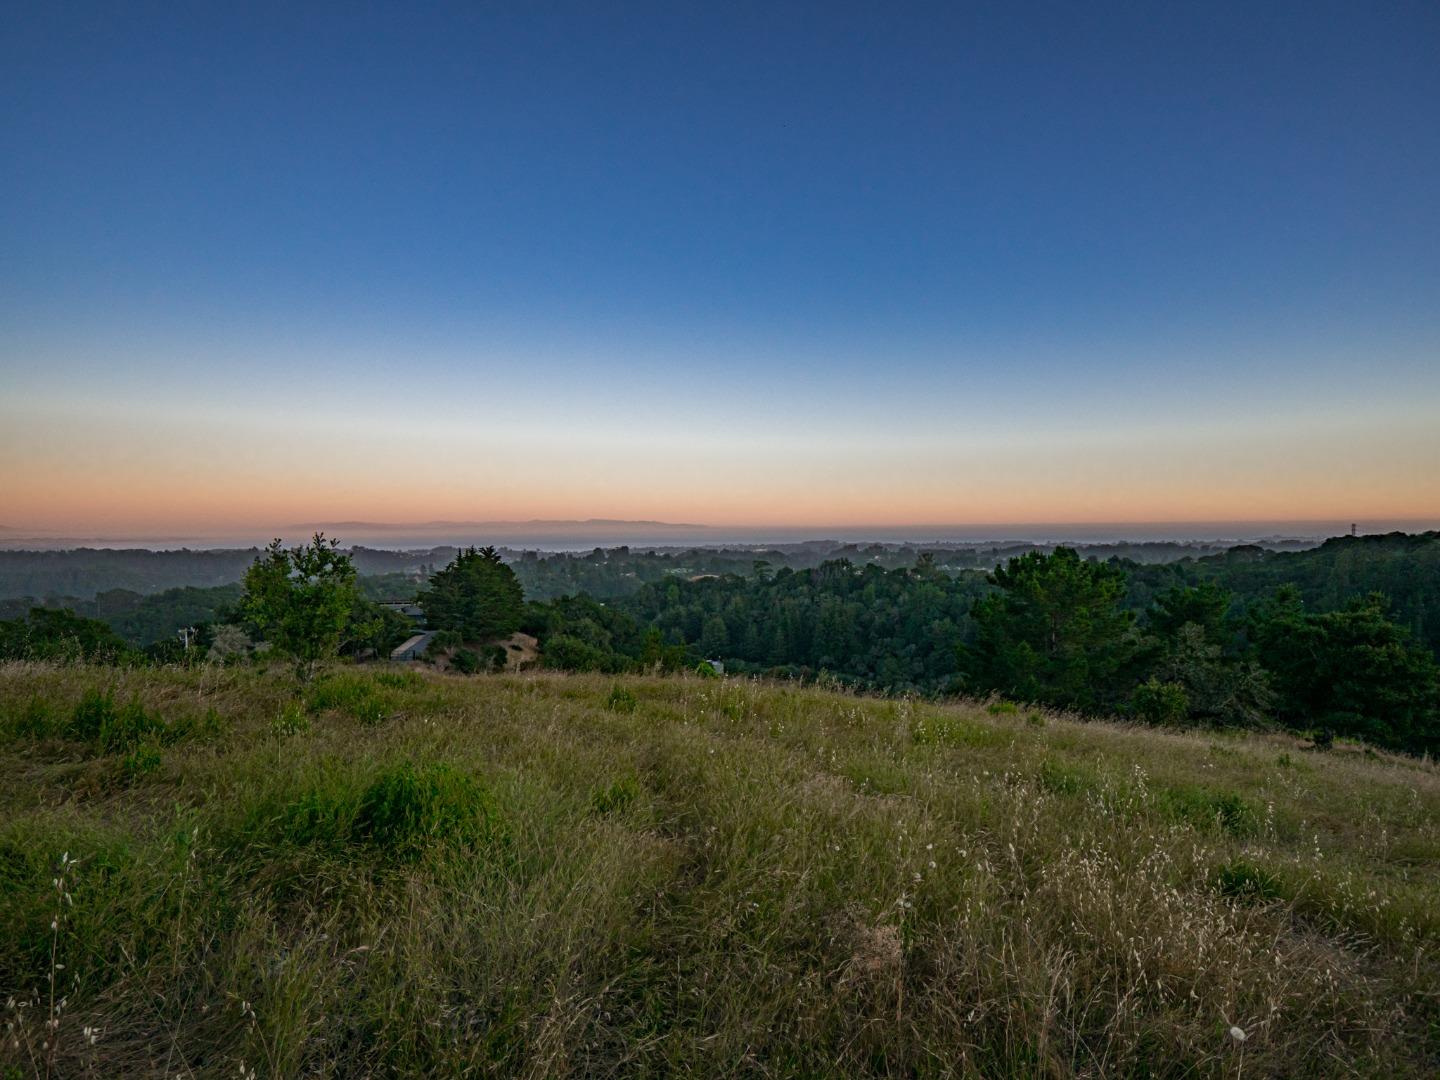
[848, 262]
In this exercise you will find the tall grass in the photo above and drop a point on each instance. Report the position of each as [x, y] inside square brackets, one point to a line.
[545, 875]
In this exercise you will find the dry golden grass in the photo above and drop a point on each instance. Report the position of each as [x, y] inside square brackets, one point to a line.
[386, 873]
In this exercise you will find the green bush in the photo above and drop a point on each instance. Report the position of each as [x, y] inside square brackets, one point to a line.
[97, 719]
[1158, 702]
[354, 695]
[141, 761]
[34, 720]
[621, 700]
[289, 721]
[1246, 881]
[92, 714]
[1002, 708]
[406, 807]
[465, 661]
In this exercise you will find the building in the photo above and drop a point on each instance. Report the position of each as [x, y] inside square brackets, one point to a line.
[408, 608]
[414, 647]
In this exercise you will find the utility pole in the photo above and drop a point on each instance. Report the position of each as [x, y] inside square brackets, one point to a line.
[186, 633]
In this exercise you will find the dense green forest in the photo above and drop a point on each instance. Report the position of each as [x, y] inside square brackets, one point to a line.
[1403, 567]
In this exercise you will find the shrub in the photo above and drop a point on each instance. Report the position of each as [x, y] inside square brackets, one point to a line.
[141, 761]
[564, 652]
[442, 641]
[1002, 708]
[465, 661]
[621, 700]
[92, 713]
[290, 720]
[34, 720]
[1246, 881]
[1158, 702]
[97, 719]
[354, 695]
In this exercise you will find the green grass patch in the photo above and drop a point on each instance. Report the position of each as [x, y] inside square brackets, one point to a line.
[1207, 808]
[399, 810]
[1242, 879]
[874, 775]
[616, 797]
[1060, 778]
[949, 729]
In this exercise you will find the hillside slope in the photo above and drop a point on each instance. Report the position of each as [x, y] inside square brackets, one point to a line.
[207, 872]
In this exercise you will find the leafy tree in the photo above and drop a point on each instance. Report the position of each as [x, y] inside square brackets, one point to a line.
[571, 654]
[476, 595]
[1351, 672]
[373, 629]
[1204, 605]
[60, 634]
[1053, 632]
[715, 640]
[300, 599]
[228, 644]
[1218, 691]
[1158, 702]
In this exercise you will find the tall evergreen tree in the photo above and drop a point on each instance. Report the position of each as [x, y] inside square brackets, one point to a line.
[1053, 631]
[476, 596]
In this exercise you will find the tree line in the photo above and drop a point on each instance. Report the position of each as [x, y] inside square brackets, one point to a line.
[1172, 644]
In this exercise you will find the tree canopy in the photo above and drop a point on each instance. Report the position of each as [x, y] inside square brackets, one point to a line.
[1053, 631]
[300, 600]
[477, 596]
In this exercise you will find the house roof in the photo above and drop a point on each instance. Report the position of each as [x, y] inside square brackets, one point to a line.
[411, 645]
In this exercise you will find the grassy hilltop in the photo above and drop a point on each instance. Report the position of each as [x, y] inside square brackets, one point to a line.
[215, 871]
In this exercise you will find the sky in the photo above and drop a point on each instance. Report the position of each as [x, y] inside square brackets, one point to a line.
[733, 264]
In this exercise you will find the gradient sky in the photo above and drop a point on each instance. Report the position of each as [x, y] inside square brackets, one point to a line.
[726, 263]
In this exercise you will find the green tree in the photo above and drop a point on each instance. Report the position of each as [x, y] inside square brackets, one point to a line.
[1219, 691]
[477, 596]
[715, 638]
[1349, 672]
[60, 634]
[1205, 605]
[300, 599]
[1052, 632]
